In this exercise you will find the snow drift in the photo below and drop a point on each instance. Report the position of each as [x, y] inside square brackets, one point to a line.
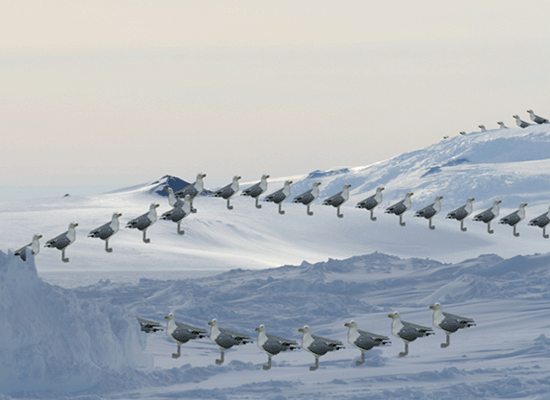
[52, 341]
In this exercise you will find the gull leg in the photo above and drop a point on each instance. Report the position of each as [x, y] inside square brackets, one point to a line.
[145, 240]
[309, 212]
[447, 343]
[404, 353]
[65, 260]
[221, 360]
[193, 209]
[107, 249]
[372, 217]
[268, 365]
[338, 212]
[314, 367]
[281, 211]
[489, 228]
[362, 361]
[401, 220]
[430, 224]
[258, 205]
[544, 235]
[516, 234]
[462, 227]
[178, 354]
[180, 231]
[229, 206]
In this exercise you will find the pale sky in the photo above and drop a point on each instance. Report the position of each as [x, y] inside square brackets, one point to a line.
[97, 95]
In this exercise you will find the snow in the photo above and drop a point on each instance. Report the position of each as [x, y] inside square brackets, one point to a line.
[68, 330]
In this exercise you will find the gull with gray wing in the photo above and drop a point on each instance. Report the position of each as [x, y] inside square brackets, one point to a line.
[542, 221]
[514, 218]
[461, 213]
[256, 190]
[430, 211]
[399, 208]
[144, 222]
[225, 339]
[520, 122]
[178, 213]
[364, 340]
[371, 202]
[449, 323]
[317, 345]
[537, 119]
[338, 199]
[308, 197]
[273, 345]
[104, 232]
[63, 241]
[228, 191]
[34, 247]
[193, 190]
[279, 196]
[149, 326]
[182, 333]
[407, 331]
[488, 215]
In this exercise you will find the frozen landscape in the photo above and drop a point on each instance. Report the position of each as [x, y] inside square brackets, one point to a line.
[69, 329]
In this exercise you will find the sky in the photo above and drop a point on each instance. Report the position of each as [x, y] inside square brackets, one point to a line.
[98, 95]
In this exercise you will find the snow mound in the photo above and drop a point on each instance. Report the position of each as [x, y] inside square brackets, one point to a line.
[52, 341]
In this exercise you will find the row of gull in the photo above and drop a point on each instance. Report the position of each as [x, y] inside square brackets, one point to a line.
[316, 345]
[182, 206]
[537, 119]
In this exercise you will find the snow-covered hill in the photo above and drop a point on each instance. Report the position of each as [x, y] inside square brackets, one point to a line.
[507, 164]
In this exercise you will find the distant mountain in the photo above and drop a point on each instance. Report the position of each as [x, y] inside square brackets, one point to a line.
[158, 186]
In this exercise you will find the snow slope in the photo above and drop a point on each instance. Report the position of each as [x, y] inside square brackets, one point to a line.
[506, 164]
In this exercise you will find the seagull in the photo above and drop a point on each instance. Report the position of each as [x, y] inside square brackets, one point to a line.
[178, 213]
[449, 323]
[256, 190]
[461, 213]
[62, 241]
[34, 247]
[488, 215]
[364, 340]
[225, 339]
[149, 326]
[520, 122]
[192, 190]
[229, 190]
[371, 202]
[104, 232]
[279, 196]
[407, 331]
[535, 118]
[430, 211]
[541, 221]
[173, 200]
[501, 124]
[317, 345]
[400, 208]
[273, 345]
[514, 218]
[308, 197]
[182, 333]
[143, 222]
[463, 133]
[338, 199]
[482, 127]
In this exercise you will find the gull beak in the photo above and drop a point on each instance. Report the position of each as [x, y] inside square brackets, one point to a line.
[167, 317]
[346, 324]
[301, 330]
[39, 236]
[157, 205]
[258, 329]
[390, 315]
[210, 323]
[76, 224]
[119, 215]
[432, 307]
